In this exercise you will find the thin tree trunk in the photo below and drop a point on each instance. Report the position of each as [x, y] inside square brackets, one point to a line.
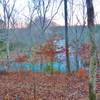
[93, 61]
[77, 61]
[8, 47]
[66, 37]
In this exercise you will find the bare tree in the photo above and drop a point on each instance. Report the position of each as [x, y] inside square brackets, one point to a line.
[46, 11]
[42, 13]
[93, 61]
[66, 36]
[13, 19]
[8, 9]
[76, 26]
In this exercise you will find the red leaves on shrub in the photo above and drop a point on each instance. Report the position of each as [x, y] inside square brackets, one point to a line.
[81, 73]
[21, 58]
[85, 52]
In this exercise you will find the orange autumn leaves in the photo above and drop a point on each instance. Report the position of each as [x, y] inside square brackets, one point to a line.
[81, 73]
[21, 58]
[45, 52]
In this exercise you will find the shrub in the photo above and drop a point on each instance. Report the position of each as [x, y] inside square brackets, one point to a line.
[49, 69]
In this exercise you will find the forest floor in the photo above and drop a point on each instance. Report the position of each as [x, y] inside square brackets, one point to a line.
[39, 86]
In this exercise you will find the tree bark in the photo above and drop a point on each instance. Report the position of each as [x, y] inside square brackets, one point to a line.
[93, 61]
[66, 37]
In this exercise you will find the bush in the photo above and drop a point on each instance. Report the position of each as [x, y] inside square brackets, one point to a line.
[49, 69]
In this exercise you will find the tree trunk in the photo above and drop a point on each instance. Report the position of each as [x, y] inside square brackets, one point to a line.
[8, 46]
[66, 37]
[77, 61]
[93, 61]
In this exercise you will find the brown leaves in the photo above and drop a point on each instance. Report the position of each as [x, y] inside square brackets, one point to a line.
[44, 52]
[81, 73]
[85, 52]
[24, 89]
[21, 58]
[54, 87]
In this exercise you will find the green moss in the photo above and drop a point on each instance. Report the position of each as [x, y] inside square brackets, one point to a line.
[49, 69]
[92, 94]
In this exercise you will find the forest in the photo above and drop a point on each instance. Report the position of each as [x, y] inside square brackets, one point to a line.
[49, 50]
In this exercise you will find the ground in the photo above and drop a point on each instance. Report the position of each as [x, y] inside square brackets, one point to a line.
[59, 86]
